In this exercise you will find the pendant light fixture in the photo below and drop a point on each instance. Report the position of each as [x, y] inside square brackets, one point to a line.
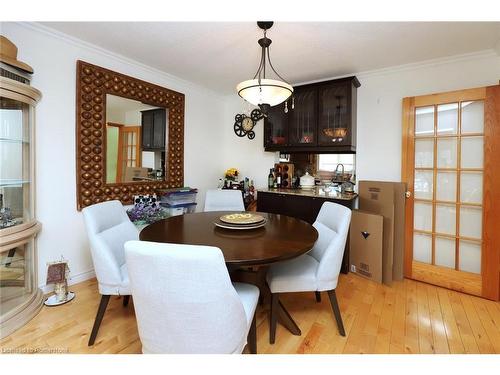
[260, 90]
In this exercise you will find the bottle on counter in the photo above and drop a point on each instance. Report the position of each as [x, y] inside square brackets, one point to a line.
[270, 179]
[278, 177]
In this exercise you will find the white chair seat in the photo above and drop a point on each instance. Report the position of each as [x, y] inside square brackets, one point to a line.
[249, 295]
[295, 275]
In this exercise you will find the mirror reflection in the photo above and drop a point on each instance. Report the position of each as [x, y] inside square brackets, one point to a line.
[136, 140]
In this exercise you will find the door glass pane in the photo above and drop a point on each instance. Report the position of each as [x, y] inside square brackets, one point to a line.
[424, 121]
[422, 248]
[444, 252]
[446, 219]
[470, 256]
[424, 153]
[471, 187]
[447, 119]
[471, 222]
[446, 186]
[472, 117]
[447, 153]
[422, 216]
[472, 152]
[423, 184]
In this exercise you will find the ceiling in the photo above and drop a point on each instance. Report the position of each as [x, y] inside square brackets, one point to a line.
[218, 55]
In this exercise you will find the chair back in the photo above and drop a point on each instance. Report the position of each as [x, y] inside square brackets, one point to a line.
[108, 228]
[184, 299]
[224, 200]
[332, 224]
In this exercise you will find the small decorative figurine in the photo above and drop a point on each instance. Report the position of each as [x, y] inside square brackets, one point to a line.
[57, 274]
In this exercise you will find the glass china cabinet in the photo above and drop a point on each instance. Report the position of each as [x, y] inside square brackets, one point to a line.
[20, 298]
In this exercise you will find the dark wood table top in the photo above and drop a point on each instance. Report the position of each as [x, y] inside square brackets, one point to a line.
[282, 238]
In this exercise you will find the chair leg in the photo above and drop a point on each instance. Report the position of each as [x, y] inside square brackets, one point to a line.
[98, 318]
[252, 336]
[274, 317]
[125, 300]
[336, 311]
[318, 296]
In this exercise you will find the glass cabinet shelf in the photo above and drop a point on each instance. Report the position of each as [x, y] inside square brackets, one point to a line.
[12, 140]
[13, 182]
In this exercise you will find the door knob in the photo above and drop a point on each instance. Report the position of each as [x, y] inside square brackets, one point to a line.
[408, 194]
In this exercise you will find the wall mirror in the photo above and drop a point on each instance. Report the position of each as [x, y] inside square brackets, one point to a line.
[130, 136]
[136, 140]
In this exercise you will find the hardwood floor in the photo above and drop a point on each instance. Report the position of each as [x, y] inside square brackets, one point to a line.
[409, 317]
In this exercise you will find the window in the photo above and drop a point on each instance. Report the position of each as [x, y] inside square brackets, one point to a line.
[328, 162]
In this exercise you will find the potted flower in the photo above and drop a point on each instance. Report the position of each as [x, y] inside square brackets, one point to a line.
[231, 174]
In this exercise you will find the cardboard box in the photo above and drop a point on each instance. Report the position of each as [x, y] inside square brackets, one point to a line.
[365, 253]
[387, 199]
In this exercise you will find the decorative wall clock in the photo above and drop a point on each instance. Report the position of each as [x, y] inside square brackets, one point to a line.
[243, 125]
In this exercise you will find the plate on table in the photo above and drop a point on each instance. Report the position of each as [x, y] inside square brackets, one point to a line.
[241, 218]
[219, 223]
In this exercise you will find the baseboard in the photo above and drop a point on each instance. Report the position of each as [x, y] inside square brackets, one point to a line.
[75, 279]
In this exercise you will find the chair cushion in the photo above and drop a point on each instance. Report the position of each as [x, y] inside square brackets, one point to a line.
[249, 295]
[295, 275]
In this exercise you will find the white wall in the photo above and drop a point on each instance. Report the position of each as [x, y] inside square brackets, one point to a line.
[53, 57]
[379, 114]
[246, 155]
[380, 106]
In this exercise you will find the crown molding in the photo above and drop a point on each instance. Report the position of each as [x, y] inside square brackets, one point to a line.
[35, 26]
[488, 53]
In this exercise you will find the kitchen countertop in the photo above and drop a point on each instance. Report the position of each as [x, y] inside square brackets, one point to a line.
[316, 192]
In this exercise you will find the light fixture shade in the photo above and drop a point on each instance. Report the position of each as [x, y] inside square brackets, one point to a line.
[268, 91]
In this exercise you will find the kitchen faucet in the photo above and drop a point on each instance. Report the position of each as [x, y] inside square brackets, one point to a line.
[337, 171]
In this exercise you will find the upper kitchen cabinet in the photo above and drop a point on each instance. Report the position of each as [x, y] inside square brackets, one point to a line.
[303, 117]
[154, 124]
[276, 128]
[319, 117]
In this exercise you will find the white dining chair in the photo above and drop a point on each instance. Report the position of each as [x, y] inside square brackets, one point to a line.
[224, 200]
[185, 302]
[108, 228]
[319, 269]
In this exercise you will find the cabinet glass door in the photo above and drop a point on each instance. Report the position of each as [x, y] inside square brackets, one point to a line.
[15, 199]
[334, 115]
[276, 133]
[303, 121]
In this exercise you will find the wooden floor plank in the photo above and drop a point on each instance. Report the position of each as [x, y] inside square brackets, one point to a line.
[411, 323]
[463, 325]
[399, 320]
[439, 339]
[452, 333]
[425, 338]
[482, 339]
[408, 316]
[383, 342]
[488, 323]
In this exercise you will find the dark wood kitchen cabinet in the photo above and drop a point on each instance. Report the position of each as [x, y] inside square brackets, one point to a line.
[154, 125]
[318, 117]
[302, 207]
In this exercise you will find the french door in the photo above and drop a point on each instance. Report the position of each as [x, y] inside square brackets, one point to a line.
[129, 149]
[451, 164]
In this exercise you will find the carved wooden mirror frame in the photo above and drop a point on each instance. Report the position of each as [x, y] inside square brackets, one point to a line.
[92, 85]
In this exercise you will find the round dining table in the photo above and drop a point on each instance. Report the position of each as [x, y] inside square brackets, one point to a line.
[281, 238]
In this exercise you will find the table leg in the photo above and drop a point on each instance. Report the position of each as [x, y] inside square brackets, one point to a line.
[258, 278]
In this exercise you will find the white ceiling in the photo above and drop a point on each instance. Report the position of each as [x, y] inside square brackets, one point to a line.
[218, 55]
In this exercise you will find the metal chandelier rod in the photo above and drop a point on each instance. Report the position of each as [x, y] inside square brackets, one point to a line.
[261, 71]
